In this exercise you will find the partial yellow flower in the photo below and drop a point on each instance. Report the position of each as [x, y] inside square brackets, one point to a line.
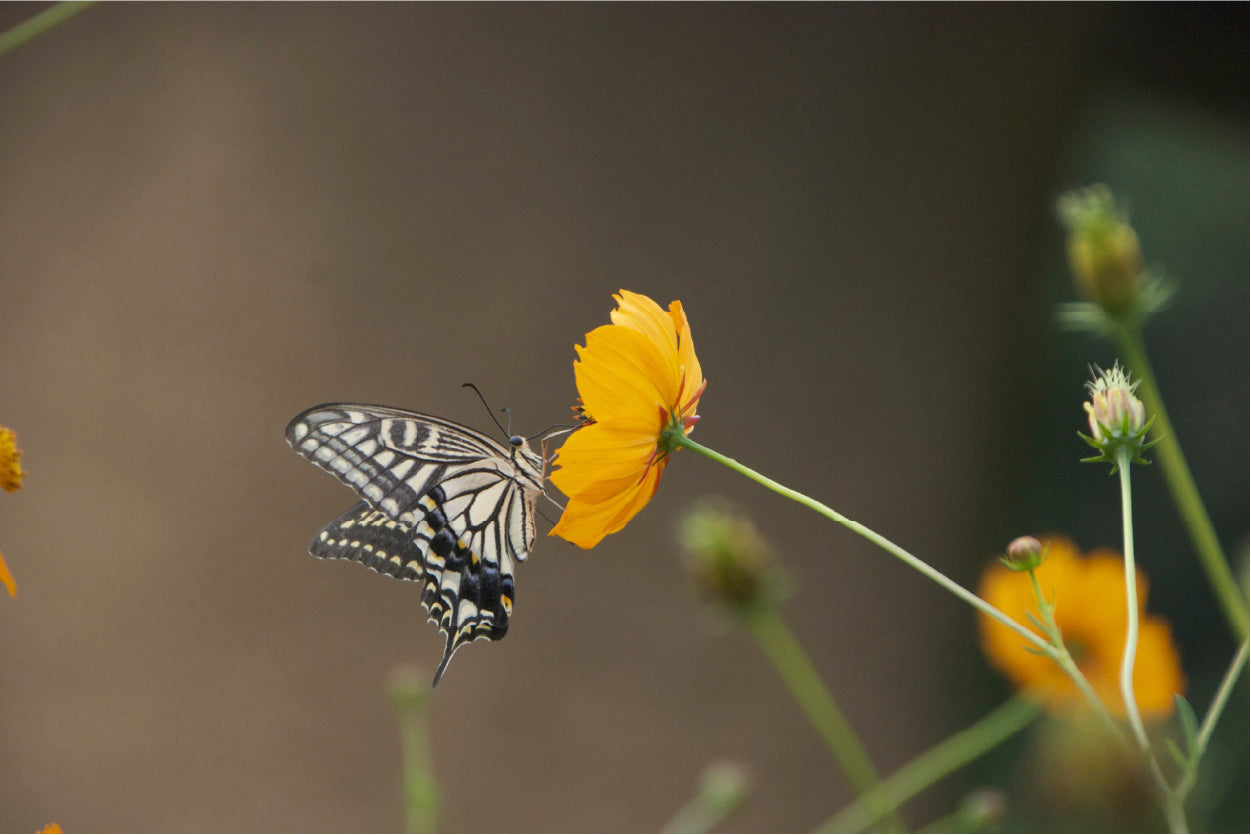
[1089, 596]
[10, 479]
[639, 382]
[7, 578]
[52, 827]
[10, 461]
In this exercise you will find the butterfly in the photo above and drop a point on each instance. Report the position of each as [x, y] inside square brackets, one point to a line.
[443, 505]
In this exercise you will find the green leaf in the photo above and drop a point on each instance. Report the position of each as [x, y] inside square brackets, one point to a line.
[1038, 624]
[1181, 759]
[1190, 725]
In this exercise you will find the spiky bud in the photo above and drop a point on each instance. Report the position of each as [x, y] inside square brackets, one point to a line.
[1117, 418]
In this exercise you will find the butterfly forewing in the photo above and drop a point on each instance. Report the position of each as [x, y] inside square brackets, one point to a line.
[443, 505]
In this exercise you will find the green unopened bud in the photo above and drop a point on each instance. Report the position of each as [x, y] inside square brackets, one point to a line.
[1117, 418]
[409, 688]
[983, 810]
[727, 560]
[1103, 248]
[1024, 553]
[724, 785]
[722, 788]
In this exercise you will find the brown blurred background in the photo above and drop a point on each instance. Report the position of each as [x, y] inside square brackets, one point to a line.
[215, 216]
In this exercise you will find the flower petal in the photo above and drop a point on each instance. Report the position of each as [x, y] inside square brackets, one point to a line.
[692, 374]
[7, 579]
[640, 313]
[585, 523]
[623, 373]
[603, 458]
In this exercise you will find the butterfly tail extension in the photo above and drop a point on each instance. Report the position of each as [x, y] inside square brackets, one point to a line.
[448, 651]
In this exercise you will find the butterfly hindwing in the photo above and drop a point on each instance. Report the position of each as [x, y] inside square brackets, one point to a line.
[372, 539]
[443, 505]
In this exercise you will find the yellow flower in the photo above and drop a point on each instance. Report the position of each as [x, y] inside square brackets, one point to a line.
[10, 461]
[10, 479]
[52, 827]
[639, 382]
[1089, 598]
[7, 578]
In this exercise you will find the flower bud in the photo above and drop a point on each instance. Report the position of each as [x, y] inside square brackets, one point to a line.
[1024, 553]
[1117, 418]
[727, 560]
[1103, 248]
[409, 690]
[982, 810]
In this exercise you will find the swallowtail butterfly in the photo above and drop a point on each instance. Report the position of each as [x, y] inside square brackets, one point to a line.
[444, 506]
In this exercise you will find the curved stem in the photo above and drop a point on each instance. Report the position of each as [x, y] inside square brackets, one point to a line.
[874, 537]
[805, 683]
[1173, 810]
[933, 765]
[1060, 657]
[1131, 604]
[1182, 485]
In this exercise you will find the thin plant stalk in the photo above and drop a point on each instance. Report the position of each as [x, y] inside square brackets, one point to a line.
[792, 663]
[943, 759]
[411, 698]
[914, 562]
[1182, 485]
[421, 807]
[1131, 603]
[1065, 659]
[1222, 696]
[40, 23]
[1191, 769]
[1173, 809]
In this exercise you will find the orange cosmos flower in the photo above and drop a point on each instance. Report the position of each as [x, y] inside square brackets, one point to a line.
[10, 461]
[10, 479]
[1089, 596]
[639, 382]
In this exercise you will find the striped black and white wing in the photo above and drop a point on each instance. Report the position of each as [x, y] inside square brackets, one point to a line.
[443, 505]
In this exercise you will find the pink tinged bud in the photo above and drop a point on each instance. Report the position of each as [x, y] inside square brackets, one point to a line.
[1024, 553]
[1113, 410]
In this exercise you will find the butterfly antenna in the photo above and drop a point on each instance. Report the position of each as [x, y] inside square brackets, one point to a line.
[488, 408]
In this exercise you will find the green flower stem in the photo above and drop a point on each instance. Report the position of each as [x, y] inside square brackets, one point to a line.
[1182, 485]
[1172, 806]
[935, 764]
[1222, 696]
[914, 562]
[411, 698]
[40, 23]
[874, 537]
[805, 684]
[1190, 774]
[1064, 658]
[1123, 460]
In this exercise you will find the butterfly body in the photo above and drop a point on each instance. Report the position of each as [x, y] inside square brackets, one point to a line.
[443, 505]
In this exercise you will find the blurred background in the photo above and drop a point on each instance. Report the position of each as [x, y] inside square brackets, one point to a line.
[215, 216]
